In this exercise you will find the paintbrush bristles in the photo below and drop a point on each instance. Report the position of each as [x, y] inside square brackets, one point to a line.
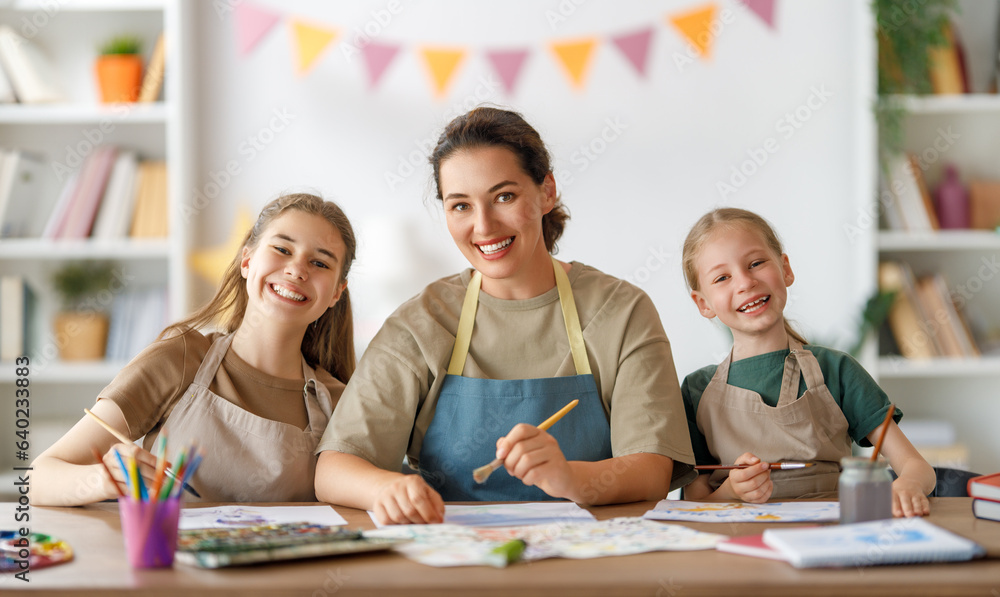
[482, 473]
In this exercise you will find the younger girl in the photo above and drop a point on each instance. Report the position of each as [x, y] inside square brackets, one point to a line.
[772, 399]
[256, 395]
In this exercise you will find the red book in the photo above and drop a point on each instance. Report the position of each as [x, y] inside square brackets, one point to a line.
[985, 486]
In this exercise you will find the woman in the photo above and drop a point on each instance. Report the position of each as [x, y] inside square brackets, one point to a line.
[495, 350]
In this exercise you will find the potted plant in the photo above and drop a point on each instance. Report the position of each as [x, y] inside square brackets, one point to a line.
[119, 69]
[81, 327]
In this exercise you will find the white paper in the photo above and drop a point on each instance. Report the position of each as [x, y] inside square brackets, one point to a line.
[500, 515]
[220, 517]
[743, 512]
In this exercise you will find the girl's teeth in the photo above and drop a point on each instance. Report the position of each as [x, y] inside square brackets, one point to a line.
[754, 305]
[488, 249]
[288, 294]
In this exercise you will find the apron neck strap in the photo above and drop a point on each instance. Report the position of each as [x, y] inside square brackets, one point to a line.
[463, 337]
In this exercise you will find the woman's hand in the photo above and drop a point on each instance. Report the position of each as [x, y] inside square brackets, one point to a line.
[145, 461]
[408, 499]
[533, 456]
[752, 484]
[908, 499]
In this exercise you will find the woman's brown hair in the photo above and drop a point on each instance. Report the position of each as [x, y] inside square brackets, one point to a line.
[493, 127]
[329, 341]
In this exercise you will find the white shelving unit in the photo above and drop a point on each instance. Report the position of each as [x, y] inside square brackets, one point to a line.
[963, 130]
[68, 33]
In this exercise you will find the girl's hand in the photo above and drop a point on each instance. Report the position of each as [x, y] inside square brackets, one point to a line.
[908, 499]
[145, 461]
[752, 484]
[408, 499]
[533, 456]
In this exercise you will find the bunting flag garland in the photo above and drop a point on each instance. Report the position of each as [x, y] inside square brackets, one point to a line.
[311, 39]
[508, 65]
[442, 64]
[635, 46]
[252, 24]
[377, 58]
[763, 9]
[575, 57]
[696, 27]
[308, 42]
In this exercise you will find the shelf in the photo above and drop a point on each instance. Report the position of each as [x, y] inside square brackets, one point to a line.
[18, 249]
[943, 240]
[948, 104]
[98, 372]
[151, 113]
[901, 368]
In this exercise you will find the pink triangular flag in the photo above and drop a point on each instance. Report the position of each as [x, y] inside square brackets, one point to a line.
[252, 23]
[377, 58]
[635, 46]
[764, 10]
[508, 65]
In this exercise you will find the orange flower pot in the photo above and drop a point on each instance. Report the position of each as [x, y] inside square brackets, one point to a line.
[119, 77]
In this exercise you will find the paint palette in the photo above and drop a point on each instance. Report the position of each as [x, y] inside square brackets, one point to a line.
[216, 548]
[43, 550]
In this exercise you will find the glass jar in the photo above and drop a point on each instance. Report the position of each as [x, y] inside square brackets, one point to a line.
[865, 490]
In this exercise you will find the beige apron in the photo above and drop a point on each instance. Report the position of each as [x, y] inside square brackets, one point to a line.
[811, 428]
[247, 457]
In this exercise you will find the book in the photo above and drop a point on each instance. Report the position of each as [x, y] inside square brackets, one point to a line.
[750, 545]
[986, 509]
[153, 80]
[58, 215]
[925, 195]
[914, 212]
[941, 321]
[149, 218]
[115, 213]
[89, 191]
[985, 486]
[905, 317]
[22, 206]
[30, 73]
[233, 546]
[6, 91]
[17, 309]
[880, 542]
[945, 67]
[984, 204]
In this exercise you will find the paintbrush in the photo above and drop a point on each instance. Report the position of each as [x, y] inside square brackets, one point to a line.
[774, 466]
[885, 428]
[121, 437]
[482, 473]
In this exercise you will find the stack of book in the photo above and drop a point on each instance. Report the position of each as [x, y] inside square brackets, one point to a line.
[985, 490]
[924, 320]
[903, 194]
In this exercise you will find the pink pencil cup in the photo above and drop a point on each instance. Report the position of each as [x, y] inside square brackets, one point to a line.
[150, 530]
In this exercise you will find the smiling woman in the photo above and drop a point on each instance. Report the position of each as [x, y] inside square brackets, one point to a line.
[256, 395]
[462, 373]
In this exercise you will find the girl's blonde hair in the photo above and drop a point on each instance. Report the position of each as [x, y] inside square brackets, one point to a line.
[728, 217]
[329, 341]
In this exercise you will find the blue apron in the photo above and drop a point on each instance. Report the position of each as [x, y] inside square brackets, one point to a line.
[471, 414]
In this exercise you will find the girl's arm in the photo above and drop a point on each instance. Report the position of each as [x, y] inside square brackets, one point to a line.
[915, 479]
[395, 498]
[752, 484]
[67, 474]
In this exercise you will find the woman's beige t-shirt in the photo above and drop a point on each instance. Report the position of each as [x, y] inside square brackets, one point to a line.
[389, 403]
[147, 389]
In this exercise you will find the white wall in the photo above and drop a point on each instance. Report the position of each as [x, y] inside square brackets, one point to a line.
[684, 129]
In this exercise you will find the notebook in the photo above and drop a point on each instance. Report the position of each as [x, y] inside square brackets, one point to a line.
[894, 541]
[235, 546]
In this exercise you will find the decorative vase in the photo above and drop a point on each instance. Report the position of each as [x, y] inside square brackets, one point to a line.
[81, 335]
[952, 201]
[119, 77]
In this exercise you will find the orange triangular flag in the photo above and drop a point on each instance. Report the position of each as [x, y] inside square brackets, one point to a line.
[696, 26]
[309, 42]
[575, 58]
[442, 63]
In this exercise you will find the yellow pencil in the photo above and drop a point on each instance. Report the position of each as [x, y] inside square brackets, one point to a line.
[482, 473]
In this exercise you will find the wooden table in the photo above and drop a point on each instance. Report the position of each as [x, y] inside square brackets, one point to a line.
[100, 567]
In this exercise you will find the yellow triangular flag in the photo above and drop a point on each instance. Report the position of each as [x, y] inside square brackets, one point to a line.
[211, 263]
[575, 58]
[309, 42]
[442, 62]
[696, 26]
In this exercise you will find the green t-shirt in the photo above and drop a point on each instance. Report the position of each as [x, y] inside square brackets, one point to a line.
[862, 401]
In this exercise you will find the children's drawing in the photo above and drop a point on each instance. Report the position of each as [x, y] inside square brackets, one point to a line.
[742, 512]
[221, 517]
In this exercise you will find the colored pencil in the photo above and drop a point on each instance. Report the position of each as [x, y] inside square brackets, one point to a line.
[774, 466]
[885, 428]
[100, 461]
[482, 473]
[125, 470]
[121, 437]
